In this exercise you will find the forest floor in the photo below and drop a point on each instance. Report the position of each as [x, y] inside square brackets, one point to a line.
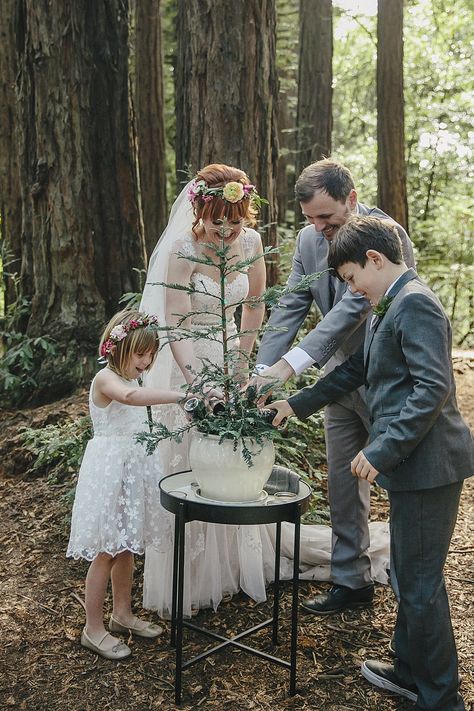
[44, 668]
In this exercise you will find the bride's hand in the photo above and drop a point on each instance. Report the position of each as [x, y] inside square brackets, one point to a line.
[212, 393]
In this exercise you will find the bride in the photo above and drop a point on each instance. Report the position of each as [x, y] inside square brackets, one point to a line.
[220, 559]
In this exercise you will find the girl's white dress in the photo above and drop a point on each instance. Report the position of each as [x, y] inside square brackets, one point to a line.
[116, 506]
[222, 559]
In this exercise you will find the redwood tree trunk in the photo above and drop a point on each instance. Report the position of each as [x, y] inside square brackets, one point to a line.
[285, 140]
[314, 117]
[391, 169]
[80, 237]
[226, 95]
[10, 200]
[150, 124]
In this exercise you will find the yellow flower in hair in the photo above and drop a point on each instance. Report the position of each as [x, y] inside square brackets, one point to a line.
[233, 192]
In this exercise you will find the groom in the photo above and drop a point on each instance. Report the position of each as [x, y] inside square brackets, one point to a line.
[327, 196]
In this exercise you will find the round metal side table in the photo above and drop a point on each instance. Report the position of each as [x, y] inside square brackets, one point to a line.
[180, 495]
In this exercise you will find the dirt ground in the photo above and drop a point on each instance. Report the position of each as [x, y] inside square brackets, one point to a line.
[43, 667]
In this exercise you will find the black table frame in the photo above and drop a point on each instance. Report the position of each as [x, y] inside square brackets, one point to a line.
[186, 510]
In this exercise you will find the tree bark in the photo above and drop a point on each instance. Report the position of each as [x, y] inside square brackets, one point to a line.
[226, 95]
[80, 237]
[10, 200]
[287, 50]
[285, 136]
[391, 168]
[314, 116]
[150, 123]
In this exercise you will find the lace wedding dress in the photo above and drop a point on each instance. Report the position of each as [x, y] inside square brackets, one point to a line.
[220, 559]
[116, 505]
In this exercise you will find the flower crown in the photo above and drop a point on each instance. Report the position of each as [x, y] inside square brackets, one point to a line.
[118, 333]
[230, 192]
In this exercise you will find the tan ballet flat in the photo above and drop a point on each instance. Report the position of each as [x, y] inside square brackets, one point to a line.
[150, 631]
[118, 651]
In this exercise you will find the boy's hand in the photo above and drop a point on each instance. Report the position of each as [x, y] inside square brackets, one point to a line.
[283, 409]
[361, 467]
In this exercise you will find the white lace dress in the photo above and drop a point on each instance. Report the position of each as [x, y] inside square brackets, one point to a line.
[221, 559]
[116, 506]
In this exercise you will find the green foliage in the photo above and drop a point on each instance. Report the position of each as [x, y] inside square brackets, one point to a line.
[58, 449]
[21, 355]
[439, 104]
[302, 448]
[130, 299]
[19, 364]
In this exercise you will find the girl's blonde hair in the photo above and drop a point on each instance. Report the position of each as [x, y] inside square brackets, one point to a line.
[141, 338]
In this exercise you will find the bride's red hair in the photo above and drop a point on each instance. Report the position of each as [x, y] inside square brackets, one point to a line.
[216, 175]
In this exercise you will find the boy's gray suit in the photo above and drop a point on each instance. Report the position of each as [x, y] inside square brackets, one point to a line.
[335, 338]
[424, 450]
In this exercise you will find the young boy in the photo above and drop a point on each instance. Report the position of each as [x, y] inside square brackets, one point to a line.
[420, 450]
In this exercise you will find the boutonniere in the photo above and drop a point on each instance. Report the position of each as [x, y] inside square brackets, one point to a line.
[382, 306]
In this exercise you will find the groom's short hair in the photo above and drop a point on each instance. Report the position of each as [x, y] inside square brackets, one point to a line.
[359, 234]
[325, 175]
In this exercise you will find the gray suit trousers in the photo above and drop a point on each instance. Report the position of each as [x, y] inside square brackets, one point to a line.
[346, 429]
[421, 526]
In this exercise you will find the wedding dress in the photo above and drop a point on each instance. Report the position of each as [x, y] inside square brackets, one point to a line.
[221, 559]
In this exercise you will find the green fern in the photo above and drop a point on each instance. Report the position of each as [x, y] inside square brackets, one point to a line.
[58, 449]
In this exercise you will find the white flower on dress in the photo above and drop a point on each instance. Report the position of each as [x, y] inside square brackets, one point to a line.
[122, 539]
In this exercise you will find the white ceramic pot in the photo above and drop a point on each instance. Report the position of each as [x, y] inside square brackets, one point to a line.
[223, 474]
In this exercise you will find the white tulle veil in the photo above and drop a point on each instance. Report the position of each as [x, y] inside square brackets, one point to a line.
[154, 295]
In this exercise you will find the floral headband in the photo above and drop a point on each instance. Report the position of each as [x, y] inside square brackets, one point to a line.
[118, 333]
[230, 192]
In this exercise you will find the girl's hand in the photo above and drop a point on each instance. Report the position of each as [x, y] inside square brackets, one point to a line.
[283, 409]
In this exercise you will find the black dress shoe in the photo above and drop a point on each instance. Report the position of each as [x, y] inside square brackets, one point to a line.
[383, 675]
[339, 598]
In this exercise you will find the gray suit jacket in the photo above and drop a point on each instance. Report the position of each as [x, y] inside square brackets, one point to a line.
[341, 331]
[418, 439]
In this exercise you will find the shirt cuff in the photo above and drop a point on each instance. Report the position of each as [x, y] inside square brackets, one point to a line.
[298, 359]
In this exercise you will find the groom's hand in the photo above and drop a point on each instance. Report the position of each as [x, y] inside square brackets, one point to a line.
[270, 378]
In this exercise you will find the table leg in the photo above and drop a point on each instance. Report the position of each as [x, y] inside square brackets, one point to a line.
[179, 618]
[294, 604]
[276, 584]
[175, 581]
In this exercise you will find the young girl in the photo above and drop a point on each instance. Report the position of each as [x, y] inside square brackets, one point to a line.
[116, 509]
